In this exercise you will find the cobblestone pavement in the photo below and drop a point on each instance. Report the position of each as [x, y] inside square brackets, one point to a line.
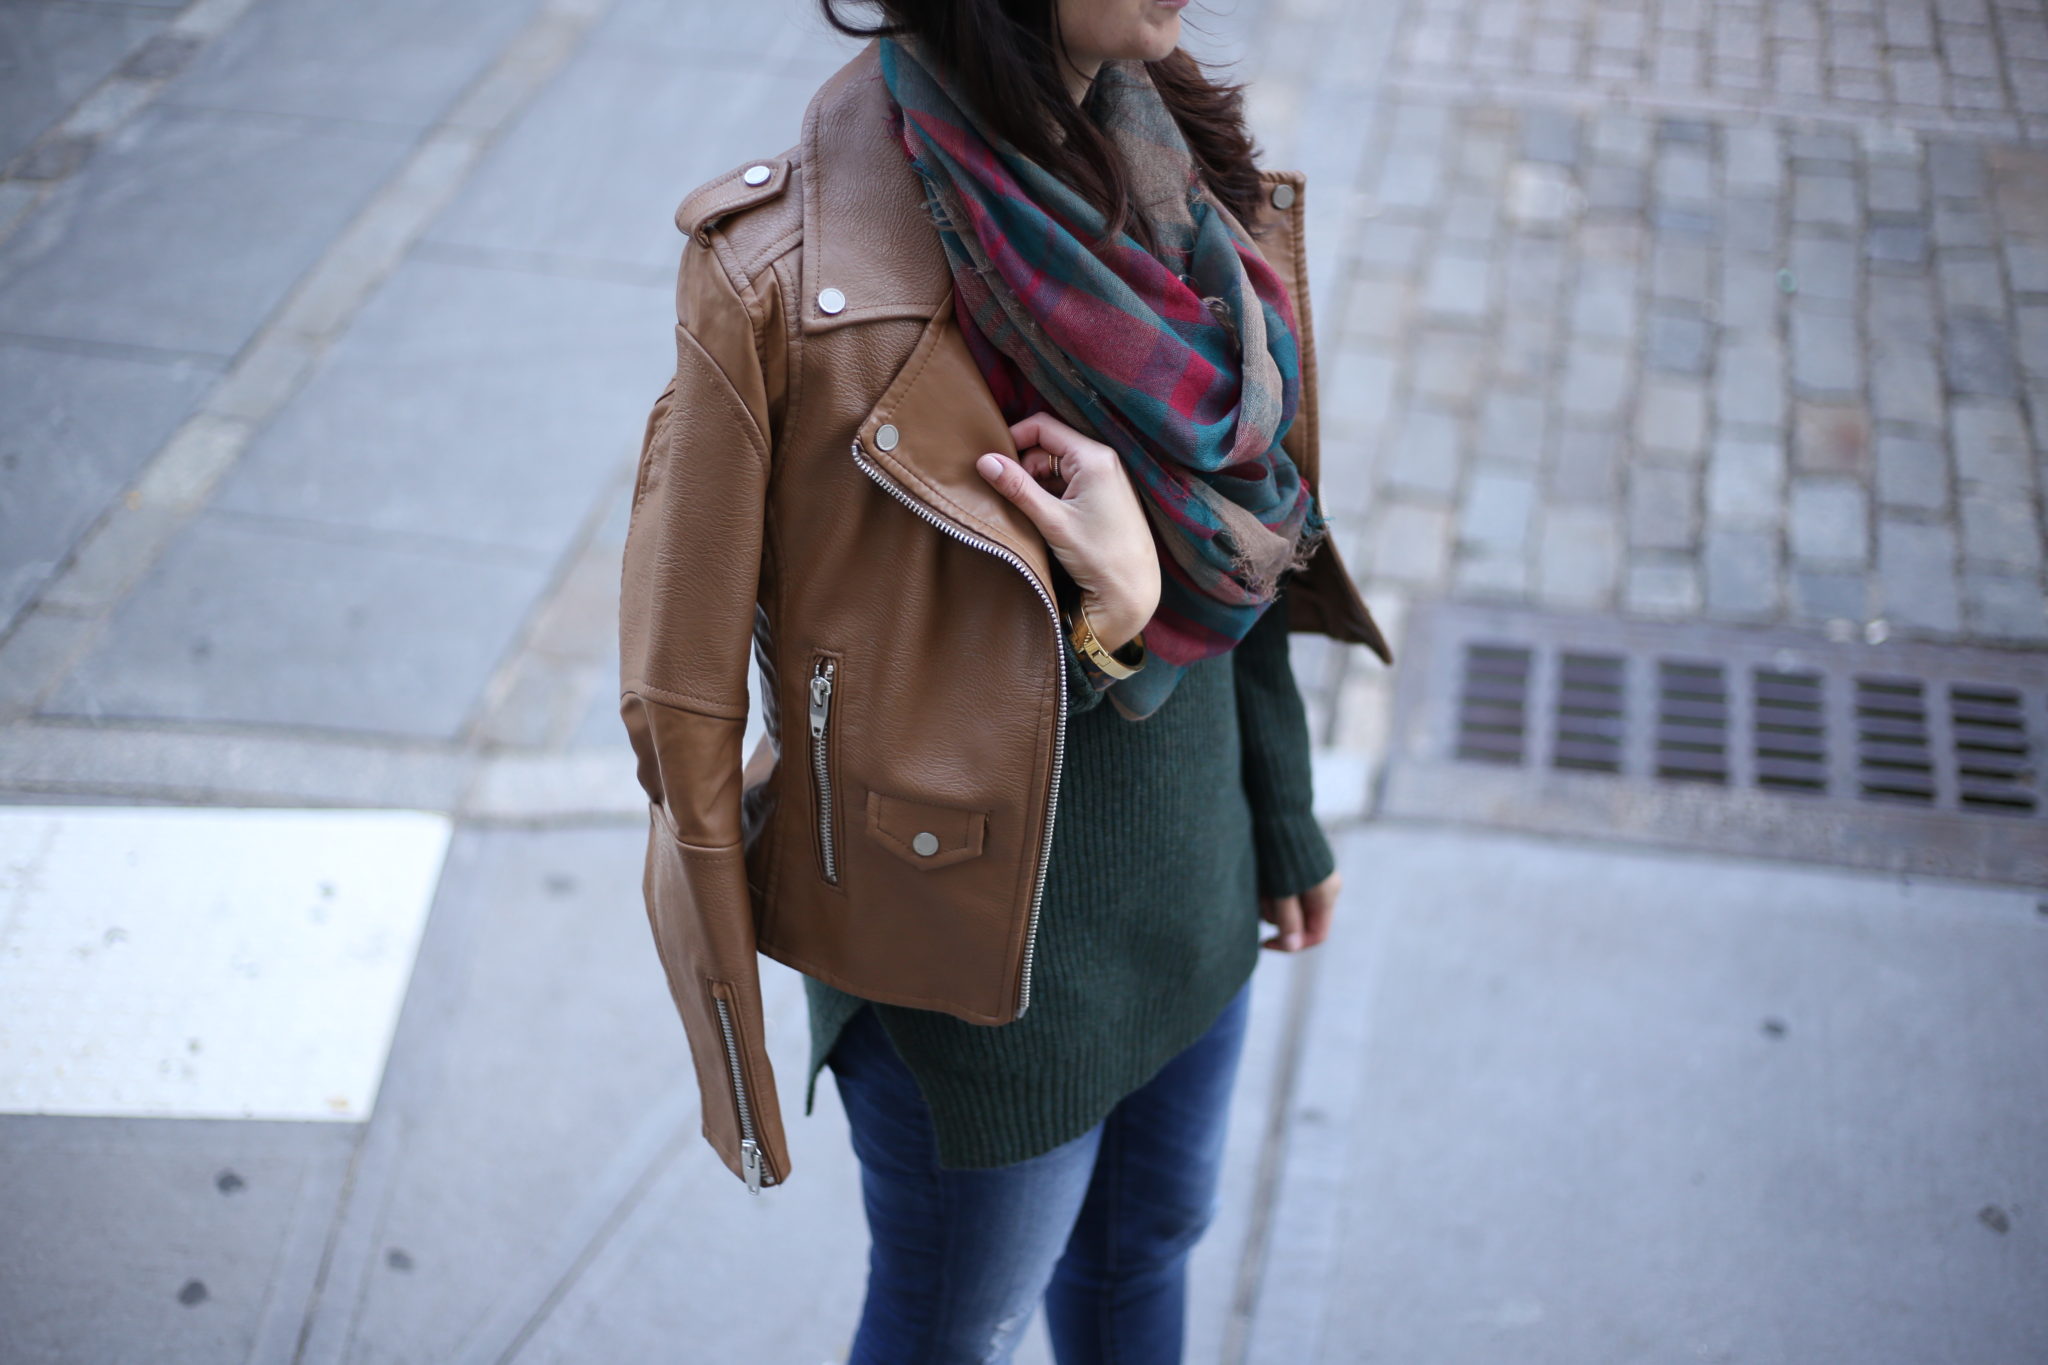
[1698, 310]
[1678, 367]
[1977, 64]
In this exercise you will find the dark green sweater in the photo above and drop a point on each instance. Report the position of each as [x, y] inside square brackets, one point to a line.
[1167, 832]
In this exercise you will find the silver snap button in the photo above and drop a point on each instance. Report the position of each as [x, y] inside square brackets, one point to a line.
[1283, 196]
[756, 175]
[831, 301]
[886, 436]
[926, 843]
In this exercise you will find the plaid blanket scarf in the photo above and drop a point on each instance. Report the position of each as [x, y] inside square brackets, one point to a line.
[1186, 363]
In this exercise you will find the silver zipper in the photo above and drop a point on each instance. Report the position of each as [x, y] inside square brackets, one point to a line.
[1059, 745]
[750, 1147]
[821, 710]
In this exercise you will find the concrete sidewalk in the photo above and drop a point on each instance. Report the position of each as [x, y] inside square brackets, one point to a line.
[1564, 1103]
[327, 331]
[1544, 1102]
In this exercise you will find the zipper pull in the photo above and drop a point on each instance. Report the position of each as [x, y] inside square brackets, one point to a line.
[750, 1164]
[821, 696]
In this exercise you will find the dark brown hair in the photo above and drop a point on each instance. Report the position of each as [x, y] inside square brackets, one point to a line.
[1003, 57]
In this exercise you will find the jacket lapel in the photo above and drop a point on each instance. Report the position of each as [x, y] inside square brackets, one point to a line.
[867, 235]
[936, 419]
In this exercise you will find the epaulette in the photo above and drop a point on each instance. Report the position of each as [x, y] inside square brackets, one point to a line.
[756, 182]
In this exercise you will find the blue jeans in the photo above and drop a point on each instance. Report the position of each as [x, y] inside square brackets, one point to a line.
[1099, 1228]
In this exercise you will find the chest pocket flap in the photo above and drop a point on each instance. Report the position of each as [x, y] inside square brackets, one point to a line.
[925, 834]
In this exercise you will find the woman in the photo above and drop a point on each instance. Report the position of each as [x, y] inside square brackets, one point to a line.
[992, 432]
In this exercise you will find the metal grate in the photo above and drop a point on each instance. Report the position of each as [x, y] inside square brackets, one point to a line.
[1994, 762]
[1906, 755]
[1692, 720]
[1893, 760]
[1590, 721]
[1791, 730]
[1492, 720]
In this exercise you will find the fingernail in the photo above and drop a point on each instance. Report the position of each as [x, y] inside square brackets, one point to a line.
[1292, 942]
[989, 465]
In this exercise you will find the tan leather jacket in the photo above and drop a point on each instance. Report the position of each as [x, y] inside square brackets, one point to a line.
[807, 490]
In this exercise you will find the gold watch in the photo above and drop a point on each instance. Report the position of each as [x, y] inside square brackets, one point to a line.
[1092, 649]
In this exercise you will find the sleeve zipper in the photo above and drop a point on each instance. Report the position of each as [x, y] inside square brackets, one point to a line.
[750, 1145]
[822, 674]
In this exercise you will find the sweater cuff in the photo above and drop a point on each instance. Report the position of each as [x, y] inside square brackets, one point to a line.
[1293, 853]
[1085, 683]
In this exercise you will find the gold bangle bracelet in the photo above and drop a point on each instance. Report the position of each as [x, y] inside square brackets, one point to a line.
[1086, 643]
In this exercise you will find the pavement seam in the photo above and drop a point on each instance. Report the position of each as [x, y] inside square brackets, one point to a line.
[1272, 1163]
[206, 765]
[1301, 1204]
[664, 1135]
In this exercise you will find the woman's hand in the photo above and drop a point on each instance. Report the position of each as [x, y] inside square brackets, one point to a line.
[1091, 518]
[1302, 921]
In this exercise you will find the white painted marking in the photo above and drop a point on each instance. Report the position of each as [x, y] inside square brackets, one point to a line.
[207, 963]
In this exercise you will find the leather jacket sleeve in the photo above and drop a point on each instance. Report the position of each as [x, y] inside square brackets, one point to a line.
[690, 577]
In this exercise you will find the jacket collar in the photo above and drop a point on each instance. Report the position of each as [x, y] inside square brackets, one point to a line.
[866, 231]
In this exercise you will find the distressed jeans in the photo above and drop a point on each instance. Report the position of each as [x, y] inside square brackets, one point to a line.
[1098, 1228]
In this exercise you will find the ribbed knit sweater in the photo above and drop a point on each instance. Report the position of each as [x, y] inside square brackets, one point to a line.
[1168, 830]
